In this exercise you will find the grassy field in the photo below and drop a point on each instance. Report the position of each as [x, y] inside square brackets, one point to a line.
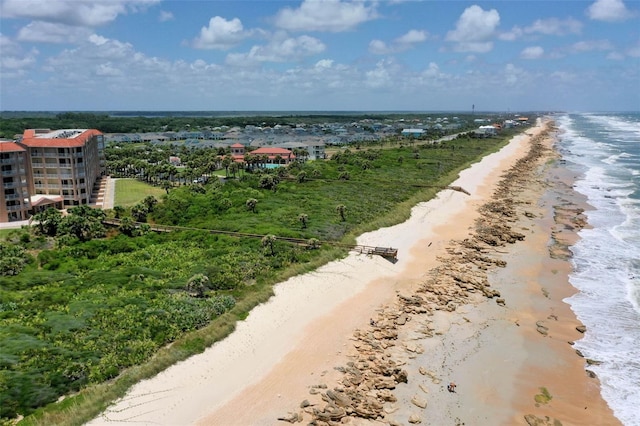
[131, 191]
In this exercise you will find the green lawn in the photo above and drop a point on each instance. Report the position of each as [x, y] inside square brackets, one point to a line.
[132, 191]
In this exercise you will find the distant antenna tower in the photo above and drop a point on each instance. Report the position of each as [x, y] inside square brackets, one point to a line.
[473, 109]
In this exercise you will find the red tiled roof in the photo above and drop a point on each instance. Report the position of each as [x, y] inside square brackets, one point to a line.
[29, 139]
[43, 200]
[10, 147]
[237, 145]
[271, 151]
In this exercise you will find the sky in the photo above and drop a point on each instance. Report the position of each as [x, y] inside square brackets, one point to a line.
[319, 55]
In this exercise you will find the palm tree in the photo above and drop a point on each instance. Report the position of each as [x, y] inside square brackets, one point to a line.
[226, 162]
[341, 209]
[251, 204]
[119, 211]
[150, 201]
[268, 241]
[127, 226]
[166, 185]
[303, 218]
[233, 168]
[313, 243]
[140, 212]
[249, 160]
[47, 221]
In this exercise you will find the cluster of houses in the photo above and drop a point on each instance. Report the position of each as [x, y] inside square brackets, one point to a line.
[312, 138]
[488, 130]
[280, 142]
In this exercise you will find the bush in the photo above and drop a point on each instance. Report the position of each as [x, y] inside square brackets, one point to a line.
[12, 259]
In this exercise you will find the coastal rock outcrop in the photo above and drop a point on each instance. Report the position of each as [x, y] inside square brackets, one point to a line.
[375, 369]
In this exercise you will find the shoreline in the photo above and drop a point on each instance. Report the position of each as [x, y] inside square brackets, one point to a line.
[301, 340]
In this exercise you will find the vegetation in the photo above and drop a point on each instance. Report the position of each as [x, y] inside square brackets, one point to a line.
[543, 397]
[91, 304]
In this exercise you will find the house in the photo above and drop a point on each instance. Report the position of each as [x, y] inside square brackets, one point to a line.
[49, 167]
[237, 152]
[274, 155]
[267, 154]
[416, 133]
[485, 131]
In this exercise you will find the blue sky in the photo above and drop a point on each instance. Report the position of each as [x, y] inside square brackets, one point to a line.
[318, 55]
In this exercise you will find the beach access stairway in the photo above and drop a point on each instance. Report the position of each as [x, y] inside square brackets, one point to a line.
[386, 252]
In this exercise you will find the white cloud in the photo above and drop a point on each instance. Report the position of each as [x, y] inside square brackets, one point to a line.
[608, 10]
[97, 39]
[325, 15]
[107, 69]
[590, 45]
[514, 75]
[49, 32]
[474, 30]
[378, 77]
[8, 46]
[432, 71]
[533, 52]
[400, 44]
[165, 16]
[550, 26]
[511, 35]
[379, 47]
[278, 50]
[324, 64]
[86, 13]
[413, 36]
[555, 26]
[18, 62]
[221, 34]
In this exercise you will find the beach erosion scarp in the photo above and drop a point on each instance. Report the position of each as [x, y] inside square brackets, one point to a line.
[298, 358]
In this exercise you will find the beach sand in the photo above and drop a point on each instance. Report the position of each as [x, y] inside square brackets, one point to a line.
[313, 340]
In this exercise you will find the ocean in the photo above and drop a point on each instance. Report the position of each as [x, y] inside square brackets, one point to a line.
[605, 149]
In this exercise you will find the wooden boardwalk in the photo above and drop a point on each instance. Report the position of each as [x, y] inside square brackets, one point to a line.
[386, 252]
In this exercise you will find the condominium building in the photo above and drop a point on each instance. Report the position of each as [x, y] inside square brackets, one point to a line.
[59, 169]
[15, 202]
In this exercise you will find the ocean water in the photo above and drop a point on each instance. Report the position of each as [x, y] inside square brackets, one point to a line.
[605, 149]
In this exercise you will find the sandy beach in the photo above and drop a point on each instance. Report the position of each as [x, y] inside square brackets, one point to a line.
[367, 341]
